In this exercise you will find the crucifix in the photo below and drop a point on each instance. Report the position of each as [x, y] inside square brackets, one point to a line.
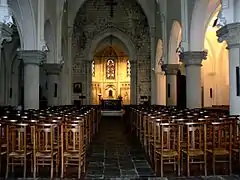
[111, 3]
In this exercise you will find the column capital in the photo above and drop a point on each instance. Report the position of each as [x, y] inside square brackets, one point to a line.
[5, 33]
[32, 56]
[52, 68]
[193, 57]
[171, 69]
[230, 33]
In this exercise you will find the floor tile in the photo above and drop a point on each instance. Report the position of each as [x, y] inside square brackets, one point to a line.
[122, 151]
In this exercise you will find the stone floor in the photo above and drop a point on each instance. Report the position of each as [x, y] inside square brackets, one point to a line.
[114, 154]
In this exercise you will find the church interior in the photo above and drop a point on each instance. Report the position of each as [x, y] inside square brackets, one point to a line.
[120, 89]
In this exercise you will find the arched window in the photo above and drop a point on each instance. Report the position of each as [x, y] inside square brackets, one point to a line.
[110, 93]
[128, 68]
[110, 69]
[93, 68]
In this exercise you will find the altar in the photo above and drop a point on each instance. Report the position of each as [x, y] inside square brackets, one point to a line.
[111, 107]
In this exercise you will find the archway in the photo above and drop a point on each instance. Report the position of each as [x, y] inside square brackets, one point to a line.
[201, 33]
[215, 70]
[111, 74]
[175, 82]
[23, 13]
[88, 33]
[202, 13]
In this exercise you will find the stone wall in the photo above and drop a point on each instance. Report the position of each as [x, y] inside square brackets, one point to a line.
[94, 18]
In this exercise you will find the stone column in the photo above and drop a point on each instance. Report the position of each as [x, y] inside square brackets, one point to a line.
[153, 60]
[193, 63]
[133, 83]
[160, 88]
[89, 82]
[53, 71]
[171, 72]
[231, 33]
[5, 36]
[32, 60]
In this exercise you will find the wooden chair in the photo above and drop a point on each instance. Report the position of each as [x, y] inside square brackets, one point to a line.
[221, 143]
[44, 151]
[72, 145]
[196, 145]
[3, 142]
[17, 150]
[169, 150]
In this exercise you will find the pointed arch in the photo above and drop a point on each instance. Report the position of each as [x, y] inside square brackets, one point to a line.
[202, 13]
[23, 13]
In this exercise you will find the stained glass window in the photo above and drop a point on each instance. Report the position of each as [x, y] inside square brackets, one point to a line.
[128, 68]
[110, 69]
[93, 68]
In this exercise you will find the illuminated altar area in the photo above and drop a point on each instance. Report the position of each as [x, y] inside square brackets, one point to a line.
[110, 75]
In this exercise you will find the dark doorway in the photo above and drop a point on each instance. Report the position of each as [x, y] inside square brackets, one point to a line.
[110, 93]
[77, 103]
[21, 83]
[181, 90]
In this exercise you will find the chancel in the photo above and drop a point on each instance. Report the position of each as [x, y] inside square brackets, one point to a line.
[127, 89]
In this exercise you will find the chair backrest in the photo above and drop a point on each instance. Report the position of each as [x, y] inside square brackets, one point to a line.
[170, 136]
[44, 137]
[17, 137]
[73, 135]
[222, 132]
[196, 135]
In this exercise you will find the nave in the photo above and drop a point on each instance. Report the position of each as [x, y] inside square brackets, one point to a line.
[110, 148]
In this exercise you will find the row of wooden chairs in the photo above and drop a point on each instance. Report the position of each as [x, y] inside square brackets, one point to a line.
[55, 137]
[175, 137]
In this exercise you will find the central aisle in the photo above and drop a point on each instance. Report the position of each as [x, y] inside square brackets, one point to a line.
[114, 153]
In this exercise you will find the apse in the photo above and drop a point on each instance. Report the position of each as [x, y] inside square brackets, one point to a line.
[111, 72]
[94, 23]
